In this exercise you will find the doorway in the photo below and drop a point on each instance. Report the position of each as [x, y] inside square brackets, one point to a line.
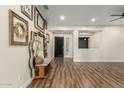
[59, 47]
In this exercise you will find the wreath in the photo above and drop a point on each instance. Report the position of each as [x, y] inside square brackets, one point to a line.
[20, 31]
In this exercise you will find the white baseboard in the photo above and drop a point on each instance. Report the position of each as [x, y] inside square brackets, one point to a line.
[26, 83]
[98, 60]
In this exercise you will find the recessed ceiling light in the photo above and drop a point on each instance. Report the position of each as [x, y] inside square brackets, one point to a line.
[93, 19]
[62, 17]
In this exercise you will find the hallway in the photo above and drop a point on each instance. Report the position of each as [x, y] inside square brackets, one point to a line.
[67, 74]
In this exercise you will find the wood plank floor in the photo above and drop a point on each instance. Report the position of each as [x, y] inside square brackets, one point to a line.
[67, 74]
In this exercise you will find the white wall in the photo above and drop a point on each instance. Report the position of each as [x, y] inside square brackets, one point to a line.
[13, 59]
[68, 53]
[14, 70]
[95, 40]
[105, 46]
[112, 46]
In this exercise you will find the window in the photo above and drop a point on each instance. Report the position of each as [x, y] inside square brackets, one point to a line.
[83, 42]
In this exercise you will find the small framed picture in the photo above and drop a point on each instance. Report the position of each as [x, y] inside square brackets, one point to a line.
[45, 24]
[38, 20]
[47, 37]
[27, 10]
[18, 29]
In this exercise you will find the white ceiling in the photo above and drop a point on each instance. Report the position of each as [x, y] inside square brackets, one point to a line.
[78, 15]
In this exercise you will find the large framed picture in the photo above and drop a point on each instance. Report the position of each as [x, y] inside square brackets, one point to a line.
[27, 10]
[18, 29]
[38, 20]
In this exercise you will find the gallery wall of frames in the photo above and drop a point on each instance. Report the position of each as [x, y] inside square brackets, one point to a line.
[19, 32]
[24, 36]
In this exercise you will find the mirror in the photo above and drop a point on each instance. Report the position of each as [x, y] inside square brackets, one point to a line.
[36, 49]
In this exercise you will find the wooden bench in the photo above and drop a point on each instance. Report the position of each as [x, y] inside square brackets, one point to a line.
[41, 71]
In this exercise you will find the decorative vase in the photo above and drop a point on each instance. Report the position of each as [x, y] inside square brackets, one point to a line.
[39, 60]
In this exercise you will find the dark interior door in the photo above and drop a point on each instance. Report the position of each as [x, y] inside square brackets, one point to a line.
[59, 43]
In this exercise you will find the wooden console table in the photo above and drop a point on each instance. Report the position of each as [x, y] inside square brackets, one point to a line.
[41, 71]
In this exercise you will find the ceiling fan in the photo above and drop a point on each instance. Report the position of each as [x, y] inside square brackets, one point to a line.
[120, 17]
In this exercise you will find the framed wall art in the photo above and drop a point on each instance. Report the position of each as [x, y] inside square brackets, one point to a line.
[18, 29]
[45, 24]
[45, 48]
[47, 37]
[38, 20]
[27, 10]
